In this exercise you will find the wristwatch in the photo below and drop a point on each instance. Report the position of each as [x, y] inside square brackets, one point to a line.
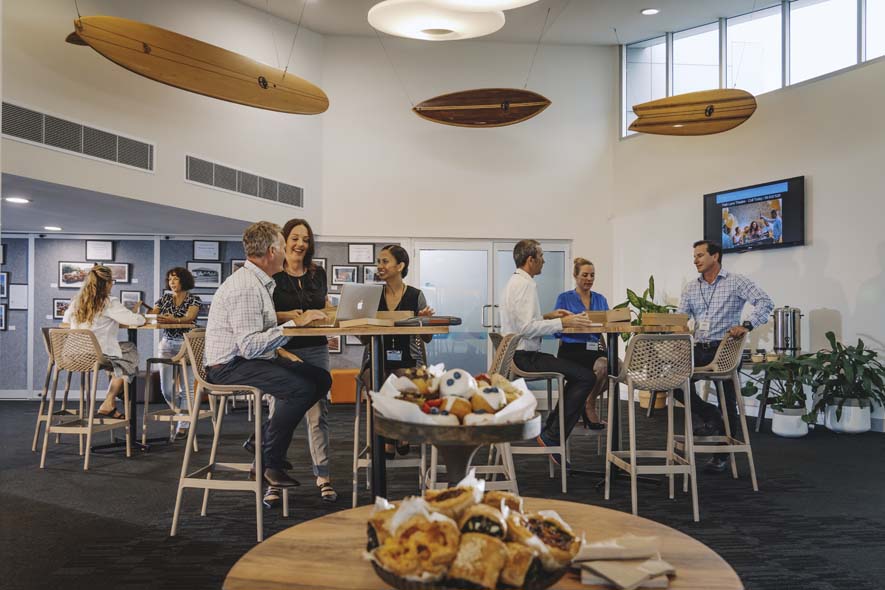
[748, 326]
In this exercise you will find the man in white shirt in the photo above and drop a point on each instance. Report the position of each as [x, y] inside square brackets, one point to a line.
[521, 314]
[242, 338]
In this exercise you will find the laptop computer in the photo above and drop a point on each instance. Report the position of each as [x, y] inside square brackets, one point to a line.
[357, 301]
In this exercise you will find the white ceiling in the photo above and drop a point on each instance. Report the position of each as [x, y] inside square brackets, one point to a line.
[80, 211]
[585, 22]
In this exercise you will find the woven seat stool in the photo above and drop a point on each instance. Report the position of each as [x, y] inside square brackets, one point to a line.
[64, 414]
[77, 351]
[655, 363]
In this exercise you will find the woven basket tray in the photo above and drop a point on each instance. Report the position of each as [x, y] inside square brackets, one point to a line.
[542, 583]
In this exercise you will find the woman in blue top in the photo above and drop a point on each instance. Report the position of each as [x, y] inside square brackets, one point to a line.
[586, 349]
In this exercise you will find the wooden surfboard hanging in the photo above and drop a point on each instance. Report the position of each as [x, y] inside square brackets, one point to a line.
[482, 107]
[195, 66]
[695, 113]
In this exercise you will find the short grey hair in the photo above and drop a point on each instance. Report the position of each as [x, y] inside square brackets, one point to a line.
[525, 249]
[259, 237]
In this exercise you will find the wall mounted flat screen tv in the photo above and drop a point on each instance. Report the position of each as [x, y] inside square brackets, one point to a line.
[769, 215]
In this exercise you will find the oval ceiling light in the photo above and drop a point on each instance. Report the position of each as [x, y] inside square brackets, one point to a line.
[18, 200]
[649, 11]
[483, 5]
[429, 21]
[51, 228]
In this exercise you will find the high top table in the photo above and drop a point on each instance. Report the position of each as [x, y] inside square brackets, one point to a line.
[326, 553]
[376, 358]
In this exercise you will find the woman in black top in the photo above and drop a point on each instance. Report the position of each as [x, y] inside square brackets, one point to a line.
[301, 291]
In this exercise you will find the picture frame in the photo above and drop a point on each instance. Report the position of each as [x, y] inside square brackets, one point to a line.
[205, 304]
[336, 345]
[4, 285]
[207, 275]
[333, 288]
[72, 274]
[2, 317]
[352, 340]
[236, 264]
[59, 307]
[119, 270]
[334, 298]
[18, 296]
[207, 250]
[370, 274]
[320, 262]
[2, 253]
[130, 298]
[361, 253]
[99, 250]
[343, 274]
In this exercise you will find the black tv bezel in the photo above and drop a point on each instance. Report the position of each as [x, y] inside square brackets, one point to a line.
[747, 248]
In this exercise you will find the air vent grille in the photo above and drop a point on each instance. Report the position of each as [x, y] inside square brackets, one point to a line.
[238, 181]
[69, 136]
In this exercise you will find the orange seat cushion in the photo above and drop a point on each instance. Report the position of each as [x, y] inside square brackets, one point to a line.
[344, 385]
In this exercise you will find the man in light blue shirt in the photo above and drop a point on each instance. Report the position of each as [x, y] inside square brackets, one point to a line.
[727, 242]
[776, 224]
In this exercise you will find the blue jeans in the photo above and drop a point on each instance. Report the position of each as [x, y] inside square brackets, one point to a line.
[168, 348]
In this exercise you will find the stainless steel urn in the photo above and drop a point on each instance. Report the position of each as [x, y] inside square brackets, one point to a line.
[787, 330]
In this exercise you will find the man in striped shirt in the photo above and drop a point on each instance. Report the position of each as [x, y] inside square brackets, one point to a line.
[715, 301]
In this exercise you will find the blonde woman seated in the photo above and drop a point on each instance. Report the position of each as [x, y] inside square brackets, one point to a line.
[94, 309]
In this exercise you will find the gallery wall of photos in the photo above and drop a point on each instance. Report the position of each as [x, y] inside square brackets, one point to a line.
[61, 264]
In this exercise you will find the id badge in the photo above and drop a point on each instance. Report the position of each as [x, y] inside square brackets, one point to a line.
[593, 346]
[394, 355]
[704, 326]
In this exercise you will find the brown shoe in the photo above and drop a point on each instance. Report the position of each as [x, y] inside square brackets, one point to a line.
[279, 478]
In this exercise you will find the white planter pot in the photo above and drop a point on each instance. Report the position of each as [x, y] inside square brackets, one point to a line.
[855, 417]
[789, 423]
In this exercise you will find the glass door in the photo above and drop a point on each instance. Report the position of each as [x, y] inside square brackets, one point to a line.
[456, 278]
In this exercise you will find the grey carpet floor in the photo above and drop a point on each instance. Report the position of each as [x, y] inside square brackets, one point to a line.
[817, 523]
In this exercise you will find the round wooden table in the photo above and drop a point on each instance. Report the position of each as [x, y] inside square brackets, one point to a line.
[326, 553]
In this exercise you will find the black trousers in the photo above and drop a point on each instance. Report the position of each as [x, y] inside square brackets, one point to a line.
[578, 353]
[579, 381]
[705, 411]
[295, 386]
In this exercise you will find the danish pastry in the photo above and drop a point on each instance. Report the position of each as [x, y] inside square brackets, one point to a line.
[489, 399]
[518, 565]
[458, 406]
[495, 497]
[557, 536]
[377, 528]
[458, 383]
[480, 560]
[483, 519]
[451, 501]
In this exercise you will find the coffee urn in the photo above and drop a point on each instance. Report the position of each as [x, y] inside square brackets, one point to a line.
[787, 330]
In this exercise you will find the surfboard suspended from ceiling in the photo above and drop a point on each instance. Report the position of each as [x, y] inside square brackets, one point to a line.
[695, 113]
[483, 107]
[195, 66]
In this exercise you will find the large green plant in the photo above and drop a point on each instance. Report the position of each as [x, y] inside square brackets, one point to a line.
[787, 379]
[641, 304]
[843, 373]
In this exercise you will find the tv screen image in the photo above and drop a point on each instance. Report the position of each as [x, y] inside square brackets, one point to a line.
[769, 215]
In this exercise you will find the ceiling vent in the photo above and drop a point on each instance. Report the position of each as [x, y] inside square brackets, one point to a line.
[229, 179]
[38, 128]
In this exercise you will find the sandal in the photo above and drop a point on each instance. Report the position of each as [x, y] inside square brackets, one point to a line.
[112, 414]
[272, 497]
[328, 493]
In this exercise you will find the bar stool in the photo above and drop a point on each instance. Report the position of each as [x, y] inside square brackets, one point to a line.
[172, 414]
[654, 362]
[724, 367]
[64, 413]
[202, 478]
[77, 351]
[562, 448]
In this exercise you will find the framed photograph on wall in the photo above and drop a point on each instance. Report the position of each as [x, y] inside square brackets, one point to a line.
[335, 298]
[370, 274]
[352, 341]
[131, 300]
[361, 253]
[99, 250]
[2, 253]
[59, 307]
[206, 250]
[205, 304]
[343, 274]
[119, 270]
[2, 316]
[72, 274]
[333, 288]
[236, 265]
[18, 296]
[4, 285]
[207, 275]
[320, 262]
[336, 346]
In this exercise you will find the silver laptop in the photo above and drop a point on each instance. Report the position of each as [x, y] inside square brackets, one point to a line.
[358, 301]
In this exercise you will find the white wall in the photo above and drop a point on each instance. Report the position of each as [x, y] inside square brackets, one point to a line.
[831, 131]
[388, 172]
[41, 71]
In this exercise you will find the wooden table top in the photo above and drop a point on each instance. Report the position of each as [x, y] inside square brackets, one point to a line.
[326, 553]
[367, 331]
[147, 326]
[625, 327]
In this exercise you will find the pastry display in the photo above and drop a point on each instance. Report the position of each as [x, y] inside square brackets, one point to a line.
[461, 537]
[457, 383]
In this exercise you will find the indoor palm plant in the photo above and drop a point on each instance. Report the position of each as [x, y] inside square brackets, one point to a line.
[642, 304]
[787, 377]
[845, 379]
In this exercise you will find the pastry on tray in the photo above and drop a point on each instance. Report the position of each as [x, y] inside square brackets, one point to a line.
[520, 560]
[479, 561]
[557, 537]
[377, 527]
[483, 519]
[495, 497]
[451, 501]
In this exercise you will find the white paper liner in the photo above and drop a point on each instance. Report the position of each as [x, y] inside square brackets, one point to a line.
[624, 547]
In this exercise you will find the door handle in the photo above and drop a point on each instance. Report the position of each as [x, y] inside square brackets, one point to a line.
[494, 308]
[483, 319]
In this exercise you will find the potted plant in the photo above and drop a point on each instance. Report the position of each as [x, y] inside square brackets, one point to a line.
[846, 379]
[787, 379]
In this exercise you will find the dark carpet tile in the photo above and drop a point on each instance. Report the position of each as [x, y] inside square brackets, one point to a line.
[817, 523]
